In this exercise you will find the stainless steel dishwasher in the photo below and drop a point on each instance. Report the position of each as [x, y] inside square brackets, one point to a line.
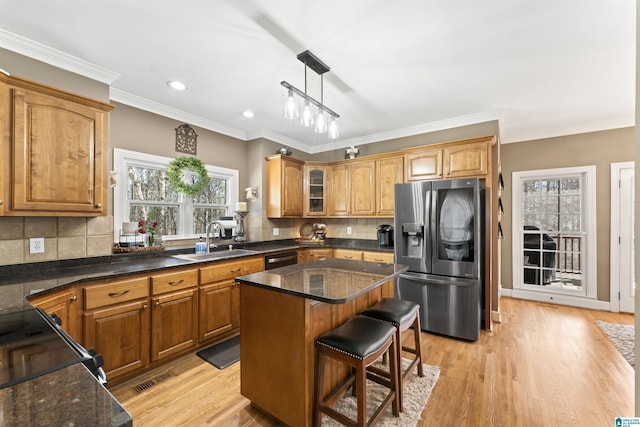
[280, 260]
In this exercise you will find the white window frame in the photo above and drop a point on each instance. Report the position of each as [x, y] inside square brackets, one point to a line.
[541, 293]
[121, 161]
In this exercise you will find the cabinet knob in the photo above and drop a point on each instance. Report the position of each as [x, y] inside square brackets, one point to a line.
[73, 298]
[1, 201]
[157, 303]
[144, 306]
[98, 205]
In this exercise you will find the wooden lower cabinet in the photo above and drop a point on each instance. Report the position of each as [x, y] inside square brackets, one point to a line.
[120, 333]
[66, 305]
[216, 308]
[174, 319]
[219, 306]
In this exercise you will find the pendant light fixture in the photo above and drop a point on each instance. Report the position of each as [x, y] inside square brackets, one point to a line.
[325, 119]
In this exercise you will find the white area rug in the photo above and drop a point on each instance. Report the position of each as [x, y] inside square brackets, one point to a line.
[623, 337]
[416, 394]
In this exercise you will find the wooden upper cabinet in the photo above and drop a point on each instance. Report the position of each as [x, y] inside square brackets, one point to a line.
[55, 146]
[423, 164]
[339, 187]
[389, 172]
[352, 189]
[363, 188]
[465, 160]
[284, 186]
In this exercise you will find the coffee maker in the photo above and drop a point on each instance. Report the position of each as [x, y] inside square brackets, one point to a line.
[385, 235]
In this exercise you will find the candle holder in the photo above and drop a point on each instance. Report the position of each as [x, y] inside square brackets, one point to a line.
[240, 232]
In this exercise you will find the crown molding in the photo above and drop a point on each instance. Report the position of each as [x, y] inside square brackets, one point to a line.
[57, 58]
[417, 130]
[127, 98]
[524, 134]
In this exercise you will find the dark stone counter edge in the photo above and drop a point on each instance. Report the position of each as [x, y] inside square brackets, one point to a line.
[247, 280]
[67, 395]
[75, 271]
[310, 296]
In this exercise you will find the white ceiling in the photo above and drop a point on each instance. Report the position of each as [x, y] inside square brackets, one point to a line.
[542, 67]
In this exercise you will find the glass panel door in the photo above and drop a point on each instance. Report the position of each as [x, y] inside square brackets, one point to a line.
[553, 250]
[315, 190]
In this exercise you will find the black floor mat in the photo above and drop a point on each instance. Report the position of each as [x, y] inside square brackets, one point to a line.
[223, 354]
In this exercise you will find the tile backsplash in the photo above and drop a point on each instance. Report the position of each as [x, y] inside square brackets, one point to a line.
[64, 238]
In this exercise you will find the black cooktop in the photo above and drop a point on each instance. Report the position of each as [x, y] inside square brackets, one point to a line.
[30, 346]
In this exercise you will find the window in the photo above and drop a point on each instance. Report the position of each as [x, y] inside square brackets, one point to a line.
[142, 186]
[554, 231]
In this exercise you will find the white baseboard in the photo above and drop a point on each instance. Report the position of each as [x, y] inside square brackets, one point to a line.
[496, 316]
[553, 298]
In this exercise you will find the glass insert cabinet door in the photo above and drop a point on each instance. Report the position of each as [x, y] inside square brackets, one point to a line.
[315, 189]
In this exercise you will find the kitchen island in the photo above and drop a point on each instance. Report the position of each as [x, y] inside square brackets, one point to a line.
[283, 311]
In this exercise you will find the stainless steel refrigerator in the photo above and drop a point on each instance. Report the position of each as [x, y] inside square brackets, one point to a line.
[438, 230]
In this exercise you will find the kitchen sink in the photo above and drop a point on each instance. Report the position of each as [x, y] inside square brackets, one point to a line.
[229, 253]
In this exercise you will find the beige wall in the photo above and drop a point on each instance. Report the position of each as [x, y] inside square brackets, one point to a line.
[597, 148]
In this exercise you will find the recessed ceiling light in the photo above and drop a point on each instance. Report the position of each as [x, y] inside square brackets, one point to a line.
[177, 85]
[248, 113]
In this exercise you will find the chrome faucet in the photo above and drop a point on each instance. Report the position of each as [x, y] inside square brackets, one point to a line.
[220, 227]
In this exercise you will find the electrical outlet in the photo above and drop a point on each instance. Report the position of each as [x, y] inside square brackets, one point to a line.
[36, 245]
[276, 231]
[349, 230]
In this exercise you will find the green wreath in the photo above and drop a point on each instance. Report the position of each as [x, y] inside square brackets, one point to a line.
[175, 172]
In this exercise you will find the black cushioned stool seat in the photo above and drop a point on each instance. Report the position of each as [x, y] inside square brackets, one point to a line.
[358, 343]
[402, 315]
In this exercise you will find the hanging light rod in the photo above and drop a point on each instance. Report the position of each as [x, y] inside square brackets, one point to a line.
[308, 118]
[311, 99]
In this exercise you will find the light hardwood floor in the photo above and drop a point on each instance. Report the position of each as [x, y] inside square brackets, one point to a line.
[543, 365]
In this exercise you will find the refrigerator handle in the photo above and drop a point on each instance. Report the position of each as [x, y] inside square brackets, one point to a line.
[427, 227]
[437, 281]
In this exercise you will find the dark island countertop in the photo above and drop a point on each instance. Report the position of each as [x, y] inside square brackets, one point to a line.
[331, 280]
[68, 396]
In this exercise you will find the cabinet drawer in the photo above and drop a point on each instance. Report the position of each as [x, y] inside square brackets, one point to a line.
[385, 257]
[221, 271]
[174, 281]
[252, 265]
[347, 254]
[115, 292]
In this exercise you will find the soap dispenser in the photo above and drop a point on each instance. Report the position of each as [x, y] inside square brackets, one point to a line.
[201, 246]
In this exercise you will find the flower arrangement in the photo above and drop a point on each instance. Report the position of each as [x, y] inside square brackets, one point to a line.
[149, 227]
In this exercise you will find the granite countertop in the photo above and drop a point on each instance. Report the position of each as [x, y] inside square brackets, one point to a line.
[68, 396]
[69, 272]
[330, 280]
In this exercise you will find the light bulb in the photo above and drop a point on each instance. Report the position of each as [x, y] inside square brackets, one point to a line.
[307, 115]
[334, 129]
[321, 121]
[290, 107]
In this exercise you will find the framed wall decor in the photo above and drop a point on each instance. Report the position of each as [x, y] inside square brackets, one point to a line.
[186, 139]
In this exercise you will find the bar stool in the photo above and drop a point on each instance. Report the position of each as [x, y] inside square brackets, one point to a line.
[358, 343]
[402, 315]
